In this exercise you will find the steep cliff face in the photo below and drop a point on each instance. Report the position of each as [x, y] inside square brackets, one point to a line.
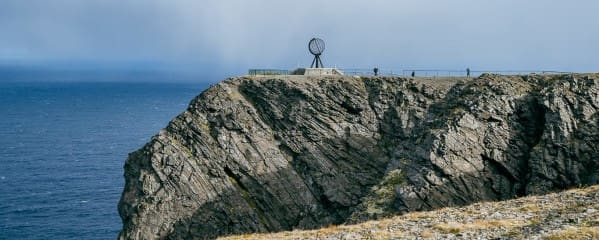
[494, 138]
[276, 153]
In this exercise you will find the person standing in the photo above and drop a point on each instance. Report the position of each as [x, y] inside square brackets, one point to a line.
[376, 71]
[467, 72]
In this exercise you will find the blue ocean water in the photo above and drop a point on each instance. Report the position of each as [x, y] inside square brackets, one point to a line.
[62, 150]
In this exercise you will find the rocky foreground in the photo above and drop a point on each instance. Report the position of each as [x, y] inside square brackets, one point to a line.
[571, 214]
[276, 153]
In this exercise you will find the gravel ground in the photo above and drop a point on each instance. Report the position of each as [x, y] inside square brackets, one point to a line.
[572, 214]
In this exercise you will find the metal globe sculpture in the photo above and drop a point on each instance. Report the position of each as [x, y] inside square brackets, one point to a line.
[316, 47]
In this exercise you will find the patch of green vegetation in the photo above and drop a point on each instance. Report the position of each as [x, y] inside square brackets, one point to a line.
[384, 194]
[511, 233]
[183, 146]
[149, 200]
[394, 177]
[187, 150]
[205, 127]
[386, 190]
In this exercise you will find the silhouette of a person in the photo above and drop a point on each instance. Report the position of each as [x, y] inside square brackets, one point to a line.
[413, 73]
[467, 72]
[376, 71]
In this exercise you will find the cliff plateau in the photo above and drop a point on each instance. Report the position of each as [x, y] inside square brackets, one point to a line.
[262, 154]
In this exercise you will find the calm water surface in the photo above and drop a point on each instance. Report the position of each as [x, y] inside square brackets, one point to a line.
[62, 150]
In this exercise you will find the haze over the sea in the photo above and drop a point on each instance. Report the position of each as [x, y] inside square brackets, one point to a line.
[216, 39]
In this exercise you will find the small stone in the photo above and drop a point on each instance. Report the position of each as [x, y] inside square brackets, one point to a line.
[496, 215]
[591, 211]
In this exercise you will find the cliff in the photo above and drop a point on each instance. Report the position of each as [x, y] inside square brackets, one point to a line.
[259, 154]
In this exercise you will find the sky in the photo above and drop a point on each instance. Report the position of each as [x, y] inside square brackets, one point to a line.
[220, 38]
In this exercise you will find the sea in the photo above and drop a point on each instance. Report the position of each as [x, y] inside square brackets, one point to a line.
[63, 144]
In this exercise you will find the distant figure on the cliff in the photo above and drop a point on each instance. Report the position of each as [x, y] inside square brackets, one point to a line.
[413, 73]
[467, 72]
[376, 71]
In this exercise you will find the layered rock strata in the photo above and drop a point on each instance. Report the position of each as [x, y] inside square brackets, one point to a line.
[258, 154]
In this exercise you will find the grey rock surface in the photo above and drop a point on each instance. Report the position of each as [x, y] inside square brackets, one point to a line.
[258, 154]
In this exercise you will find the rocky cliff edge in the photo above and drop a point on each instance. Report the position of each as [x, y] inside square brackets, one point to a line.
[261, 154]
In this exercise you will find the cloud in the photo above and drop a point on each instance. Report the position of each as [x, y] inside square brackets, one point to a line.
[239, 34]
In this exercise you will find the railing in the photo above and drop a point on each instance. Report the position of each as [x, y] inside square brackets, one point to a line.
[268, 72]
[461, 73]
[443, 73]
[364, 72]
[414, 72]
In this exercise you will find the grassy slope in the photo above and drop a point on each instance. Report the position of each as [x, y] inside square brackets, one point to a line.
[572, 214]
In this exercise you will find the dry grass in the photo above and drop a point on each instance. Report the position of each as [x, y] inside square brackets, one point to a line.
[533, 208]
[455, 227]
[427, 234]
[467, 220]
[449, 227]
[576, 233]
[505, 223]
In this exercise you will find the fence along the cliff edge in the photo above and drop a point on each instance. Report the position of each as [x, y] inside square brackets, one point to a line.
[417, 72]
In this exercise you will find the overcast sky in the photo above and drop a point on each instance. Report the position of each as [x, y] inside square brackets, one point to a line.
[233, 35]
